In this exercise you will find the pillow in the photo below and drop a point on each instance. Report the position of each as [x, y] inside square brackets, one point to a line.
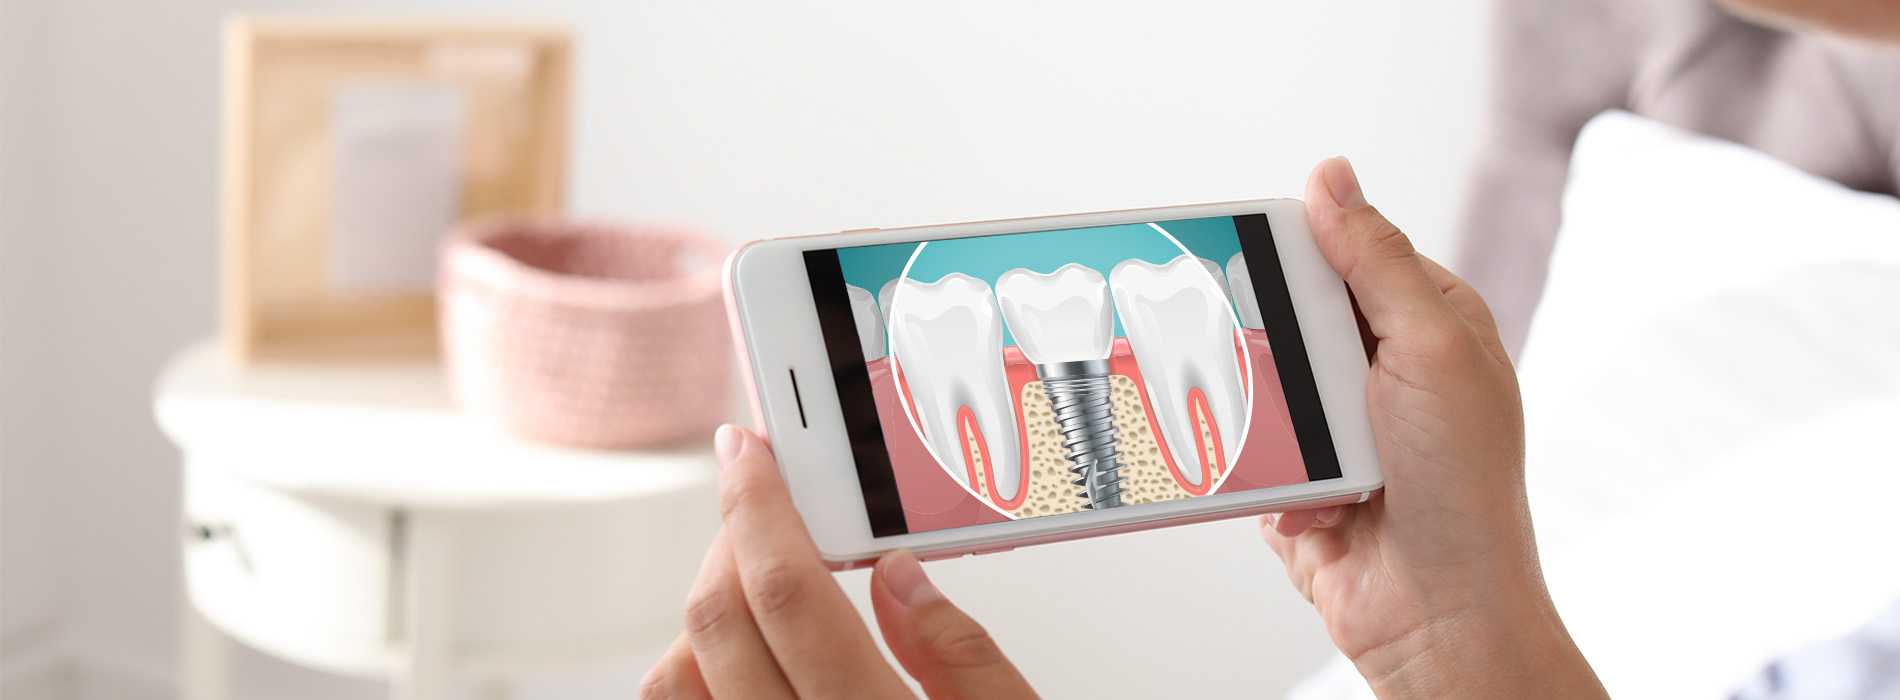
[1711, 386]
[1719, 332]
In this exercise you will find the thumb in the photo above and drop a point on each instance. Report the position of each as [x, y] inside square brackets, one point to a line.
[1386, 275]
[948, 653]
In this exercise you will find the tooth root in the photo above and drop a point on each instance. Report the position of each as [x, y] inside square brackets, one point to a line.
[1241, 286]
[976, 452]
[1181, 329]
[869, 320]
[948, 338]
[1207, 440]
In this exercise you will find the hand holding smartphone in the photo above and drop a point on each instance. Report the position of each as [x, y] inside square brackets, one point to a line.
[1432, 588]
[976, 387]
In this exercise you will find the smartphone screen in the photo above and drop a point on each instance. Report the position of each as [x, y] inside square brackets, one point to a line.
[1050, 373]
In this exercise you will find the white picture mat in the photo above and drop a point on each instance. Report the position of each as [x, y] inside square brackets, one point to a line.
[396, 186]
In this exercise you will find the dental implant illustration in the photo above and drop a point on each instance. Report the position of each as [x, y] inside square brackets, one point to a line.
[1065, 325]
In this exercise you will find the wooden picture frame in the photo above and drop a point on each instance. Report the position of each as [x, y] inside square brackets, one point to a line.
[352, 147]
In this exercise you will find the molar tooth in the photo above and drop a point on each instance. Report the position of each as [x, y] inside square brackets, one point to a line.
[869, 320]
[1181, 329]
[948, 339]
[884, 300]
[1220, 278]
[1245, 302]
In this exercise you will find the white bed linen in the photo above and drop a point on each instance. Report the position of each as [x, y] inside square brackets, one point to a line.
[1712, 400]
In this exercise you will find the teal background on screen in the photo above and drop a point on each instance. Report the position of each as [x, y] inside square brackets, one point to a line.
[988, 257]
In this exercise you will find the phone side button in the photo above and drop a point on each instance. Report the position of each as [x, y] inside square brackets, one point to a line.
[861, 230]
[999, 550]
[940, 556]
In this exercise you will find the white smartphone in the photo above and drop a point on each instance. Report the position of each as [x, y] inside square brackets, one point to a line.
[972, 388]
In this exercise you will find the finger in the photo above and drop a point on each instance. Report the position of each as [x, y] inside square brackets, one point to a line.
[676, 676]
[811, 627]
[731, 653]
[1268, 523]
[1293, 523]
[1298, 524]
[1374, 256]
[1291, 551]
[948, 653]
[1328, 517]
[1280, 545]
[1465, 300]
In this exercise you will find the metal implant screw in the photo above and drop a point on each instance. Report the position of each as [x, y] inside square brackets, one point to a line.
[1079, 393]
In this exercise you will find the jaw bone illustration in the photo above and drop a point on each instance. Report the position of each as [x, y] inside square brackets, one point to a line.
[1065, 325]
[1182, 332]
[947, 339]
[869, 320]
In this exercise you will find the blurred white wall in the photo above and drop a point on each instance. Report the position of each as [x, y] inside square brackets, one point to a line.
[30, 571]
[750, 119]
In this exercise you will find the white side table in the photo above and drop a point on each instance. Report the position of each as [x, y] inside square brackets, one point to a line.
[345, 517]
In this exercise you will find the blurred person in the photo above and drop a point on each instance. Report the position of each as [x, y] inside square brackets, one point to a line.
[1814, 83]
[1433, 587]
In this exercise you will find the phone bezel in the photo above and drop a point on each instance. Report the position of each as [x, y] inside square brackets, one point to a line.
[770, 297]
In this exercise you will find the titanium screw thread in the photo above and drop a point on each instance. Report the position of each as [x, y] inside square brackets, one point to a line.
[1079, 393]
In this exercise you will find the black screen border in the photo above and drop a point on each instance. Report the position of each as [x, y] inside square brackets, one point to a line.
[1310, 429]
[876, 476]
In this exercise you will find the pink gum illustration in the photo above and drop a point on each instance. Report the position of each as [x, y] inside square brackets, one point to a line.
[933, 500]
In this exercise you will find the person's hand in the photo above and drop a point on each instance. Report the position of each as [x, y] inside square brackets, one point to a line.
[766, 620]
[1433, 587]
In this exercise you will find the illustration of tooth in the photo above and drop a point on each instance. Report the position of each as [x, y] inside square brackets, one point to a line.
[1220, 278]
[1065, 325]
[948, 338]
[869, 320]
[1182, 334]
[1242, 289]
[884, 300]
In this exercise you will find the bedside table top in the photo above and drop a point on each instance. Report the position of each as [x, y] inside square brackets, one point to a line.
[386, 431]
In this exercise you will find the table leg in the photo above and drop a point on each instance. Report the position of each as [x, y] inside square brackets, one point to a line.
[426, 669]
[204, 658]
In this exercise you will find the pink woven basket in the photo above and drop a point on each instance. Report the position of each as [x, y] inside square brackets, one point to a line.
[585, 335]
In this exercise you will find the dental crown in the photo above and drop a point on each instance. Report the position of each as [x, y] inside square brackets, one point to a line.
[1064, 316]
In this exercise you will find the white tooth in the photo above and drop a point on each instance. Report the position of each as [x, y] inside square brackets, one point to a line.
[1220, 278]
[1063, 316]
[949, 341]
[869, 320]
[1244, 300]
[884, 300]
[1182, 332]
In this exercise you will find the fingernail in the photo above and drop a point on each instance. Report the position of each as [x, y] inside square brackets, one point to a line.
[908, 582]
[1273, 520]
[1343, 183]
[1330, 515]
[728, 443]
